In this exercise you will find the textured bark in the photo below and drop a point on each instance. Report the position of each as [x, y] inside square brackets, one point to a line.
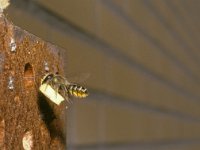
[27, 118]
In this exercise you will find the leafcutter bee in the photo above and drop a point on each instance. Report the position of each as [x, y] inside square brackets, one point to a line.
[58, 88]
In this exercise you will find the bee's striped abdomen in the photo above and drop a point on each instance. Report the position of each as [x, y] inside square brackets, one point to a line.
[77, 91]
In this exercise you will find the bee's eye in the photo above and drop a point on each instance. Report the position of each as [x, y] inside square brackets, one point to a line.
[49, 76]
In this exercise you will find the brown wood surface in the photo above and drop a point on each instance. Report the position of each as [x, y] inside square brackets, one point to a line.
[25, 114]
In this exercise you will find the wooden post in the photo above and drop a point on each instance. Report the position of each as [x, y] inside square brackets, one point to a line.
[28, 120]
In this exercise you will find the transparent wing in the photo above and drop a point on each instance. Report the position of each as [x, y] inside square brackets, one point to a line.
[80, 78]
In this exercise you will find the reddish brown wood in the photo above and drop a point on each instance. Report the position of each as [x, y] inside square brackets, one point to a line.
[25, 114]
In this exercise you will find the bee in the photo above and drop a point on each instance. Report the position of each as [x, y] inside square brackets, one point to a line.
[62, 88]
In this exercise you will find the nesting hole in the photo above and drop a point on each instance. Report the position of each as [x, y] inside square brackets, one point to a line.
[28, 76]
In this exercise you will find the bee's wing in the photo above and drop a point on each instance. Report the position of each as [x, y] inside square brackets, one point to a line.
[80, 78]
[66, 104]
[65, 94]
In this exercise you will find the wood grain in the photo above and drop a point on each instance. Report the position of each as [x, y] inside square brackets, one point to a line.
[25, 113]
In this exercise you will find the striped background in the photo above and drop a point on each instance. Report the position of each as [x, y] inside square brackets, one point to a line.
[144, 66]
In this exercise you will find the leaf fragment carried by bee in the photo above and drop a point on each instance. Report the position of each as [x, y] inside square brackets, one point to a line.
[4, 4]
[49, 92]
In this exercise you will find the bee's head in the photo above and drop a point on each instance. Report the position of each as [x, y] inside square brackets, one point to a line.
[47, 77]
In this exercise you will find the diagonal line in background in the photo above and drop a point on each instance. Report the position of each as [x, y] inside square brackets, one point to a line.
[172, 32]
[64, 26]
[181, 18]
[132, 104]
[151, 40]
[156, 144]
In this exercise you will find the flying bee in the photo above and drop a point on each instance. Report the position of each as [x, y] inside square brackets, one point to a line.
[58, 88]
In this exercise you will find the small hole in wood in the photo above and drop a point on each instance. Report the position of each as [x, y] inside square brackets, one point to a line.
[28, 76]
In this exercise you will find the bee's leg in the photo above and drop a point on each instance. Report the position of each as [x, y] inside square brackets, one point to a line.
[68, 98]
[48, 82]
[66, 102]
[66, 95]
[56, 89]
[64, 92]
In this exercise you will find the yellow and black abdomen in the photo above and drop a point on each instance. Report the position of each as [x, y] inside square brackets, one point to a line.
[77, 91]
